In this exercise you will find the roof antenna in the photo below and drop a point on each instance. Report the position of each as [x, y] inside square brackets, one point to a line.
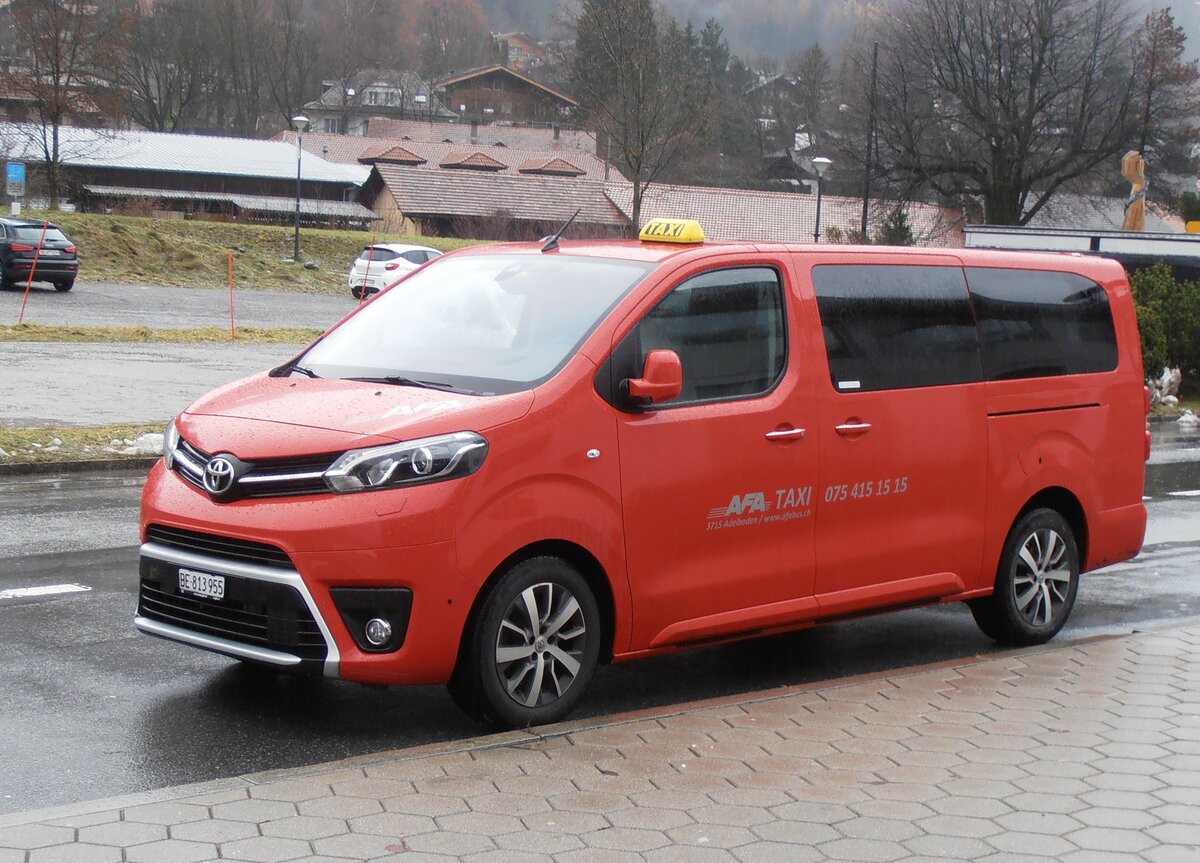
[552, 242]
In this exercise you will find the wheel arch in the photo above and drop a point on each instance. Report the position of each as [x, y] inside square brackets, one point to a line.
[1066, 504]
[580, 558]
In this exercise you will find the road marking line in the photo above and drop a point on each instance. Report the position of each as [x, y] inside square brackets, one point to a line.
[1193, 493]
[45, 590]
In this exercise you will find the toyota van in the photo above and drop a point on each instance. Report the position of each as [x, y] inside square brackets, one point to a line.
[524, 460]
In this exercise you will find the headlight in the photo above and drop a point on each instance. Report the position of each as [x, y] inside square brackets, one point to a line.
[411, 463]
[170, 441]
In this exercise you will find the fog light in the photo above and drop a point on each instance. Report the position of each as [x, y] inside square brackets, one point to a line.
[378, 631]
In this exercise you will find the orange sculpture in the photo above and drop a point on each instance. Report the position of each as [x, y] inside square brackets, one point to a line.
[1133, 168]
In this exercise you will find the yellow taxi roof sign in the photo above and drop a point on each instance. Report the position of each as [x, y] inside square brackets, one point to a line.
[672, 231]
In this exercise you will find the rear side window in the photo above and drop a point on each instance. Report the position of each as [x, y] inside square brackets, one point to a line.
[416, 256]
[727, 328]
[377, 255]
[1037, 324]
[893, 327]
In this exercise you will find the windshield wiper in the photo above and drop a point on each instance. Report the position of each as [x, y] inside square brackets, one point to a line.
[399, 381]
[302, 370]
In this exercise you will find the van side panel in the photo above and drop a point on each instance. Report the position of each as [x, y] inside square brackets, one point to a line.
[1084, 433]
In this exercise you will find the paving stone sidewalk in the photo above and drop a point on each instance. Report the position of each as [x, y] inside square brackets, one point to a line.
[1087, 752]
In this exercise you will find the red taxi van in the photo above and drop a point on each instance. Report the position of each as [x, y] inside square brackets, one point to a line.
[521, 461]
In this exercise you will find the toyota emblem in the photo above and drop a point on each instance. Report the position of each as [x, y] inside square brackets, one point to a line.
[218, 476]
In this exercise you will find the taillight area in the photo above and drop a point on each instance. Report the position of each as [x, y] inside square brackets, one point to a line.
[21, 247]
[70, 250]
[390, 267]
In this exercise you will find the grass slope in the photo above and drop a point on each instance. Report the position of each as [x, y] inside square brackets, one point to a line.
[132, 250]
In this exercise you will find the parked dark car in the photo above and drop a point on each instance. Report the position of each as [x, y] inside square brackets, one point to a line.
[57, 261]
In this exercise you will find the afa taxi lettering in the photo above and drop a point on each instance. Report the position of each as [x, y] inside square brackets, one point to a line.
[753, 507]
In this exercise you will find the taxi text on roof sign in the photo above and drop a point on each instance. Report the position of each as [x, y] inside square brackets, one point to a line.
[672, 231]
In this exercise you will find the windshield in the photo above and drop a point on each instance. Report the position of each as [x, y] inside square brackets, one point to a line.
[34, 232]
[483, 324]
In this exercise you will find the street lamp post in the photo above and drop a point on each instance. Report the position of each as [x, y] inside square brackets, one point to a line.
[820, 165]
[299, 121]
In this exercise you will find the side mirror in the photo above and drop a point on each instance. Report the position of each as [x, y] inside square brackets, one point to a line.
[661, 380]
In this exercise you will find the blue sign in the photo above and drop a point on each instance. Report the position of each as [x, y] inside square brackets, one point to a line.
[15, 179]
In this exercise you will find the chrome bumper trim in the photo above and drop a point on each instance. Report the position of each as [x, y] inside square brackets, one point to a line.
[211, 642]
[246, 570]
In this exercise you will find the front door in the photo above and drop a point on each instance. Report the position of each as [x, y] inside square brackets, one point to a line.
[718, 485]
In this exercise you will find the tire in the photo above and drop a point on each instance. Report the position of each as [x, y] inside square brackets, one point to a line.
[546, 664]
[63, 287]
[1035, 584]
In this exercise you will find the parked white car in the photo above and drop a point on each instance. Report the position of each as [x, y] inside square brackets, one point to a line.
[381, 264]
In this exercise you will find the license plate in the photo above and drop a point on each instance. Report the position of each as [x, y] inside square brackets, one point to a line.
[201, 583]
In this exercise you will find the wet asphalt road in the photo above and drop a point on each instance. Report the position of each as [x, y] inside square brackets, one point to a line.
[106, 305]
[92, 709]
[140, 383]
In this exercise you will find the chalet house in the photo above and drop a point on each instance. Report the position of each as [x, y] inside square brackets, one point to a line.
[522, 50]
[351, 107]
[500, 94]
[193, 176]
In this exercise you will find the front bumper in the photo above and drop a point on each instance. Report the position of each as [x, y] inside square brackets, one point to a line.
[269, 616]
[310, 547]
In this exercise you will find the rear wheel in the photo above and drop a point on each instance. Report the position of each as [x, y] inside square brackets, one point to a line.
[1036, 583]
[531, 649]
[64, 285]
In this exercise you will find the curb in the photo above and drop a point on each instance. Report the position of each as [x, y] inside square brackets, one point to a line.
[561, 729]
[35, 468]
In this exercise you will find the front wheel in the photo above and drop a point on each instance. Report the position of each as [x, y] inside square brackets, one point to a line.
[532, 648]
[1035, 584]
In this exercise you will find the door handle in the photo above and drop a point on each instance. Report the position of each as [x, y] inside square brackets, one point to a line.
[785, 434]
[852, 428]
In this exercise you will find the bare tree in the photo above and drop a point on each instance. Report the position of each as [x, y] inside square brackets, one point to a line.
[999, 100]
[639, 85]
[293, 58]
[1166, 89]
[66, 41]
[162, 64]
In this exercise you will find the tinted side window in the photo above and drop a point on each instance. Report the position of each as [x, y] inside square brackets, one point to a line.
[892, 327]
[728, 329]
[377, 255]
[1035, 324]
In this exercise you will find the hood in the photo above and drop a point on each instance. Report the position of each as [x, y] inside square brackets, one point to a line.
[329, 414]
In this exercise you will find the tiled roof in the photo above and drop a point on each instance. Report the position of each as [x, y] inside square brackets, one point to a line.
[254, 203]
[432, 192]
[555, 167]
[174, 154]
[745, 214]
[353, 150]
[523, 137]
[1095, 212]
[384, 153]
[472, 159]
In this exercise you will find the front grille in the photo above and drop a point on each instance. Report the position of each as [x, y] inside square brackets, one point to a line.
[223, 547]
[254, 612]
[269, 477]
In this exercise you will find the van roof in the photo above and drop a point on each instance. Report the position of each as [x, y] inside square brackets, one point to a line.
[659, 252]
